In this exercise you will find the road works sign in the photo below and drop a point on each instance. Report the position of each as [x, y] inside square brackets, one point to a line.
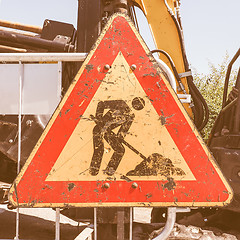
[120, 137]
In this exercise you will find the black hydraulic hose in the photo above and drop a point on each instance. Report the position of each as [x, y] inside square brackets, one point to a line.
[199, 109]
[201, 99]
[193, 89]
[172, 66]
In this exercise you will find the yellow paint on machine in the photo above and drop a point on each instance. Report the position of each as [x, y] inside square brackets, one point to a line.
[165, 35]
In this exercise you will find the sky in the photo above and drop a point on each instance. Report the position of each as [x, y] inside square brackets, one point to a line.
[210, 27]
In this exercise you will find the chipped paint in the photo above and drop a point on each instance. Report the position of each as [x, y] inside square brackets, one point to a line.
[71, 186]
[68, 110]
[170, 185]
[89, 67]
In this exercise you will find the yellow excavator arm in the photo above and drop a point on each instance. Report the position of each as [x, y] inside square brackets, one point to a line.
[163, 21]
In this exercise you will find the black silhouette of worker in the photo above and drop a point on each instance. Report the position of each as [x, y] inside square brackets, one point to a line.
[120, 115]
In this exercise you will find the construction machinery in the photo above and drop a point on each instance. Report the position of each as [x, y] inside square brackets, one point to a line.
[164, 20]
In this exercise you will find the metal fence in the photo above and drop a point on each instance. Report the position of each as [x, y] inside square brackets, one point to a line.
[18, 77]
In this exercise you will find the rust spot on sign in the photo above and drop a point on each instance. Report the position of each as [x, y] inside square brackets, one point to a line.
[149, 195]
[71, 186]
[89, 67]
[170, 185]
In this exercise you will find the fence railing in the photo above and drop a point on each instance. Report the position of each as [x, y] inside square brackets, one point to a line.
[24, 71]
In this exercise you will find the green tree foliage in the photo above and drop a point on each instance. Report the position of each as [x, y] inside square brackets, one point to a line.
[211, 87]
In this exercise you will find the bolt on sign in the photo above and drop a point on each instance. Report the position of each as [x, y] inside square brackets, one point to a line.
[120, 137]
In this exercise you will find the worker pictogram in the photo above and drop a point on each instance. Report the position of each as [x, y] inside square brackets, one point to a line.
[119, 114]
[124, 126]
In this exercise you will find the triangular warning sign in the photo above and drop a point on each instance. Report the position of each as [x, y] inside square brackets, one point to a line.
[120, 137]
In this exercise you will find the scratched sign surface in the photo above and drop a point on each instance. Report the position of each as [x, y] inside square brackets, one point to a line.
[120, 137]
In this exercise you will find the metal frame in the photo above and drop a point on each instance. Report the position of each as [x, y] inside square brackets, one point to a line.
[19, 137]
[36, 57]
[57, 227]
[229, 69]
[41, 57]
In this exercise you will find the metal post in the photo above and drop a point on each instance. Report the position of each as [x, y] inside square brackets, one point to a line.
[19, 138]
[57, 224]
[20, 114]
[89, 23]
[59, 90]
[95, 223]
[120, 223]
[171, 219]
[17, 224]
[131, 224]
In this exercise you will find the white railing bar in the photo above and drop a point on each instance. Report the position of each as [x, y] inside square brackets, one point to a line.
[20, 114]
[131, 224]
[57, 224]
[59, 90]
[17, 224]
[19, 138]
[95, 223]
[42, 57]
[86, 234]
